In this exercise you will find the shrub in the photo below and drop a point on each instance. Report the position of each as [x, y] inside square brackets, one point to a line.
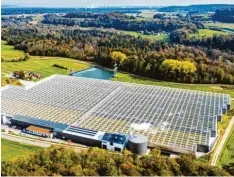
[60, 66]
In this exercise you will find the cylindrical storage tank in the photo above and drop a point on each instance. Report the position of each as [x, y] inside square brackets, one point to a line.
[138, 144]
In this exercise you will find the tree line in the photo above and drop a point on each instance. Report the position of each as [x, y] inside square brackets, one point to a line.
[149, 58]
[113, 20]
[61, 161]
[221, 42]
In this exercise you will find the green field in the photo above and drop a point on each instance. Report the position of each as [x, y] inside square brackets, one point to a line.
[11, 149]
[208, 33]
[9, 53]
[221, 25]
[136, 34]
[44, 65]
[124, 77]
[227, 153]
[37, 18]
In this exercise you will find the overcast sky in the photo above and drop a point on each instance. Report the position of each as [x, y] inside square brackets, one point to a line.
[82, 3]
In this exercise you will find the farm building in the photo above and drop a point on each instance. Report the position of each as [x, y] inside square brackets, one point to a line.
[83, 110]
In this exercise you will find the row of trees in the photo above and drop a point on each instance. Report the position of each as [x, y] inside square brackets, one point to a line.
[150, 58]
[60, 161]
[115, 20]
[100, 16]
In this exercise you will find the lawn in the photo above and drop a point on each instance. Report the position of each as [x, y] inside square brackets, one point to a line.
[11, 149]
[227, 153]
[136, 34]
[9, 53]
[208, 33]
[124, 77]
[44, 65]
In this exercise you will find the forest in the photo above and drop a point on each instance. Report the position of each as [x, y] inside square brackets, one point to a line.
[113, 20]
[61, 161]
[145, 57]
[224, 15]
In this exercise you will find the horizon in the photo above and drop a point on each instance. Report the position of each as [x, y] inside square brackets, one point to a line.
[106, 3]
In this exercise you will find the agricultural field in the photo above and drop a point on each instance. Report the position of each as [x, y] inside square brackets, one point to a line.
[208, 33]
[11, 149]
[125, 77]
[9, 53]
[136, 34]
[44, 66]
[227, 153]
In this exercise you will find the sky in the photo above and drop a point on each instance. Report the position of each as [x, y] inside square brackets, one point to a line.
[85, 3]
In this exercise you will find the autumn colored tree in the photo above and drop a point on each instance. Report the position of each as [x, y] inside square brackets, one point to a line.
[184, 70]
[118, 57]
[61, 161]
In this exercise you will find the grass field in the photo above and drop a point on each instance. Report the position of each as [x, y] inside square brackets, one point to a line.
[11, 149]
[221, 25]
[44, 65]
[208, 33]
[136, 34]
[124, 77]
[227, 153]
[8, 52]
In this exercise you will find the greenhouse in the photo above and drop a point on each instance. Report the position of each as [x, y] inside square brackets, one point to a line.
[176, 119]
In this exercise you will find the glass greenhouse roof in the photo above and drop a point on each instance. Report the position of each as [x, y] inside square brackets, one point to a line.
[178, 118]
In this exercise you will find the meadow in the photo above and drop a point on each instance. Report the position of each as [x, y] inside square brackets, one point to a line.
[12, 150]
[8, 52]
[208, 33]
[221, 25]
[136, 34]
[44, 66]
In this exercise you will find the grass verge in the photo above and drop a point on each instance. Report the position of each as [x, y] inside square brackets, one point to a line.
[227, 153]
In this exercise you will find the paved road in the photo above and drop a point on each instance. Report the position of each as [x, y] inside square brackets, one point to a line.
[217, 152]
[35, 142]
